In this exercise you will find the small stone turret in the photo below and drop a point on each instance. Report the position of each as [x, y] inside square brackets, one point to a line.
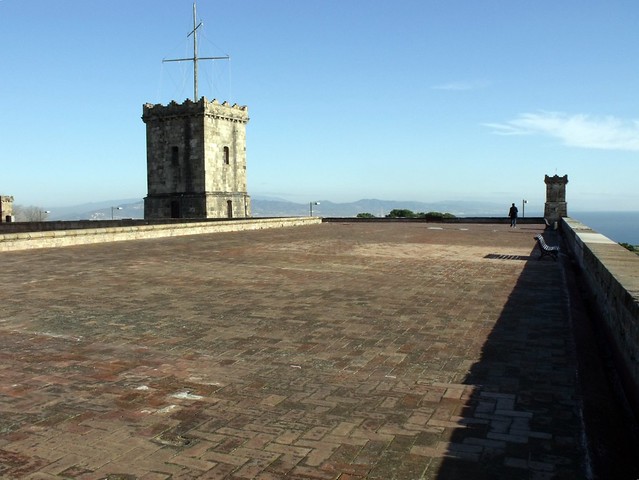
[6, 208]
[556, 206]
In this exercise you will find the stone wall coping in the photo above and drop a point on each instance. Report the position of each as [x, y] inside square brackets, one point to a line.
[63, 238]
[621, 263]
[588, 237]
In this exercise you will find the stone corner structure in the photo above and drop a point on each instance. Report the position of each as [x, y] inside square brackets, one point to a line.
[556, 207]
[196, 160]
[6, 208]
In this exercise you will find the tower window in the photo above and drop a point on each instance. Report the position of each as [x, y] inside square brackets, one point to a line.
[175, 156]
[227, 156]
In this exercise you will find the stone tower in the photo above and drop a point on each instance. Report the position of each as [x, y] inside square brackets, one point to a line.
[196, 160]
[556, 206]
[6, 208]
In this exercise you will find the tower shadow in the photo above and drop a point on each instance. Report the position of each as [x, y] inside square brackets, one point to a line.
[542, 405]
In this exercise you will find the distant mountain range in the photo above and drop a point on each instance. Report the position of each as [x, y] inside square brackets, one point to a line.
[277, 207]
[270, 207]
[116, 209]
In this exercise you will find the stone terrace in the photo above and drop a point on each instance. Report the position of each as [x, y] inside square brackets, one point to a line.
[331, 351]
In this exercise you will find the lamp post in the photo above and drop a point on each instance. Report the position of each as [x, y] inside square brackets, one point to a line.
[523, 208]
[310, 206]
[114, 208]
[43, 214]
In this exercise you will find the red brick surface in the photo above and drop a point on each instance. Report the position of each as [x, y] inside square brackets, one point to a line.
[333, 351]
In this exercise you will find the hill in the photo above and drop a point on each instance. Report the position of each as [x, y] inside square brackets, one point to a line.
[275, 207]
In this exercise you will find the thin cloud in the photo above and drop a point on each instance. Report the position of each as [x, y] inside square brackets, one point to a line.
[582, 131]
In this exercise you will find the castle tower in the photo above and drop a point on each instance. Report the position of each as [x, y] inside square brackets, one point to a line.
[196, 160]
[556, 206]
[196, 154]
[6, 208]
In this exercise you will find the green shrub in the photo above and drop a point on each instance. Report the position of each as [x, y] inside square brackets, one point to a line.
[400, 213]
[435, 215]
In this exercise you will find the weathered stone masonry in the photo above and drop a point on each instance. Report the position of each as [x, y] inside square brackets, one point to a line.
[196, 160]
[6, 208]
[556, 207]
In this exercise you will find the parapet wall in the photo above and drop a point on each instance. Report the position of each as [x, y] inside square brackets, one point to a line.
[612, 275]
[83, 236]
[213, 108]
[436, 219]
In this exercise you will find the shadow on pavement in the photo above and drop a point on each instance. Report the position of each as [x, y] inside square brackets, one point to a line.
[533, 413]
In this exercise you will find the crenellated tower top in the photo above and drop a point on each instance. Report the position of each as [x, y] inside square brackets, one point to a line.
[203, 107]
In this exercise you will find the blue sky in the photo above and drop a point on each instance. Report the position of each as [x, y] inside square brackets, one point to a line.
[420, 100]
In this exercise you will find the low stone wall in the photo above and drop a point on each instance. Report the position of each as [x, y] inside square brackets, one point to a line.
[612, 275]
[83, 236]
[482, 220]
[20, 227]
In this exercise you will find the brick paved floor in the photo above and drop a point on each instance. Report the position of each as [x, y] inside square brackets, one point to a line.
[334, 351]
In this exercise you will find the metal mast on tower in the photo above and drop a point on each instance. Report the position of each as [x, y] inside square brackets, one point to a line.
[195, 58]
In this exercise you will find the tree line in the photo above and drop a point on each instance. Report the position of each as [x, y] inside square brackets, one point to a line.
[29, 213]
[405, 213]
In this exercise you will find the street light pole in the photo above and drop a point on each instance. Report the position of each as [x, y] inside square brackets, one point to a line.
[114, 208]
[523, 208]
[310, 206]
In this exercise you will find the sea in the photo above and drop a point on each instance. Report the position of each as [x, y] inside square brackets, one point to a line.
[622, 227]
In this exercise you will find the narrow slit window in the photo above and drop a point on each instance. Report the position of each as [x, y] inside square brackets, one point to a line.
[227, 159]
[175, 156]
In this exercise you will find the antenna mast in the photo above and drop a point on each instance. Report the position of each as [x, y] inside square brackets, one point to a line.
[195, 58]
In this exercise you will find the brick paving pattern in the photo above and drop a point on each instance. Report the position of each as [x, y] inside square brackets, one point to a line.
[333, 351]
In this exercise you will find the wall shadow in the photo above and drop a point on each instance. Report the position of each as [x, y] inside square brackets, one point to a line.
[543, 404]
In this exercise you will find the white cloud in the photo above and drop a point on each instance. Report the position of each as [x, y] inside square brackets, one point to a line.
[583, 131]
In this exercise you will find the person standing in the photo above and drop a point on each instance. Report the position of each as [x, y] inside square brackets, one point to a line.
[512, 213]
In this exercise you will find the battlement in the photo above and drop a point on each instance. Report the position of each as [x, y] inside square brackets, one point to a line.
[213, 108]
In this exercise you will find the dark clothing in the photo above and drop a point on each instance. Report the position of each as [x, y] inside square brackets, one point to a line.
[512, 213]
